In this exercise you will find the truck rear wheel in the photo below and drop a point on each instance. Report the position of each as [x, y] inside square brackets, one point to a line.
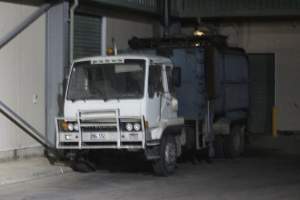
[234, 143]
[166, 164]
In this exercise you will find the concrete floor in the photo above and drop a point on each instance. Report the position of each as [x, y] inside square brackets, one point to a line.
[265, 177]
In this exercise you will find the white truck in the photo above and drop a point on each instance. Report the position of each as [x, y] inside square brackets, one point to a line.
[156, 105]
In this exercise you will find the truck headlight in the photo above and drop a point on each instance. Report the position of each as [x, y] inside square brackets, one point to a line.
[76, 127]
[129, 126]
[70, 127]
[137, 126]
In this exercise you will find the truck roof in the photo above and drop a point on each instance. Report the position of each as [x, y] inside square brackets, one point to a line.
[152, 58]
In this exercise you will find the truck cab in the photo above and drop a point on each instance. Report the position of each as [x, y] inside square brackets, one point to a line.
[123, 102]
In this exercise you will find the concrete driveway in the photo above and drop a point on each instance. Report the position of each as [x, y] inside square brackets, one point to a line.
[265, 177]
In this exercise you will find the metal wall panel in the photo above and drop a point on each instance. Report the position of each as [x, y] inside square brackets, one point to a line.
[141, 5]
[238, 8]
[87, 36]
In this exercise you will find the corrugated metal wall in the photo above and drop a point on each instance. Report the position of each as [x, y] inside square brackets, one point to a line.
[142, 5]
[232, 8]
[87, 36]
[210, 8]
[261, 85]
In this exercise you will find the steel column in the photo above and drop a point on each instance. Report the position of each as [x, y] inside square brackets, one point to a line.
[57, 62]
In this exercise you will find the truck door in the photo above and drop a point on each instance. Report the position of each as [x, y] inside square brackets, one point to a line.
[167, 112]
[155, 92]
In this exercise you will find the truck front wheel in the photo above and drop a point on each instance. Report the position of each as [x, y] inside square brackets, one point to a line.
[166, 164]
[80, 163]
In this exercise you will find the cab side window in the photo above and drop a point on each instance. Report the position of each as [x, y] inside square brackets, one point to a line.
[170, 80]
[155, 81]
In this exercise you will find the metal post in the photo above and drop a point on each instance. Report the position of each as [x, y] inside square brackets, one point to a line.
[209, 136]
[103, 36]
[197, 134]
[22, 26]
[57, 63]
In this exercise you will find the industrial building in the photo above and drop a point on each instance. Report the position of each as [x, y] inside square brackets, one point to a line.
[40, 38]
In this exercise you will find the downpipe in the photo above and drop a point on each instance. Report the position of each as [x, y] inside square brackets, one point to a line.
[166, 18]
[72, 17]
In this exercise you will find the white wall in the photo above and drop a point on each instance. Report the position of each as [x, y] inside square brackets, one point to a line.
[22, 68]
[123, 30]
[283, 39]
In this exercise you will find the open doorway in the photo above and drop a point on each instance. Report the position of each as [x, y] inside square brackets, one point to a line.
[261, 91]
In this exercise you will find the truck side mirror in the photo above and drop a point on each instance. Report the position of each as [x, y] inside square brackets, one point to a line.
[176, 76]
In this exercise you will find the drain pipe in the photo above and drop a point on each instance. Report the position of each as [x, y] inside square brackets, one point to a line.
[72, 16]
[23, 25]
[166, 18]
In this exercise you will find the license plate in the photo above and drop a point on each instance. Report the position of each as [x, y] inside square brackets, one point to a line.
[101, 136]
[96, 136]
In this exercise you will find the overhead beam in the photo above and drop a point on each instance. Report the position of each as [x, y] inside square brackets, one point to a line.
[26, 2]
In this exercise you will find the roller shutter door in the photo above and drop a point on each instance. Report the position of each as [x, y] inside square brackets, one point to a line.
[261, 82]
[87, 36]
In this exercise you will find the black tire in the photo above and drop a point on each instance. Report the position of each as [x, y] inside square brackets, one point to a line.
[166, 164]
[219, 146]
[234, 143]
[82, 164]
[82, 167]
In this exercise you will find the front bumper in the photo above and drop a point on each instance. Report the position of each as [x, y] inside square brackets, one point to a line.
[100, 130]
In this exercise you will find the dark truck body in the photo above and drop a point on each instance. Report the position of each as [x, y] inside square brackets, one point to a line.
[210, 71]
[213, 96]
[222, 80]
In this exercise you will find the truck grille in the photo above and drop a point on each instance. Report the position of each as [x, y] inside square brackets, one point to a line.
[98, 129]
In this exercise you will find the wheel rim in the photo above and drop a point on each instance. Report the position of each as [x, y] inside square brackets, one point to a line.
[170, 154]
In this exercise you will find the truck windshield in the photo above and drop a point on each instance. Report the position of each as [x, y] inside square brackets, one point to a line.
[107, 81]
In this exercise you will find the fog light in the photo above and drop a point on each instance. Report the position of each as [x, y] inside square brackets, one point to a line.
[137, 127]
[129, 127]
[68, 137]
